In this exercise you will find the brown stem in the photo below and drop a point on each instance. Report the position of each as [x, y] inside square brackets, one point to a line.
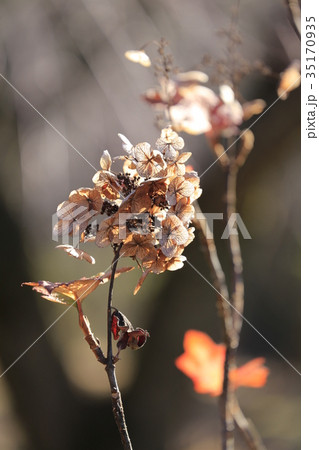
[93, 342]
[117, 405]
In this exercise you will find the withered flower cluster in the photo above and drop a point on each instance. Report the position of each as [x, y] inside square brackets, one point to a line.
[147, 208]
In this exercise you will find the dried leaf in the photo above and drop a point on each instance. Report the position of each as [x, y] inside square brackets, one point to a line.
[126, 335]
[72, 291]
[77, 253]
[140, 282]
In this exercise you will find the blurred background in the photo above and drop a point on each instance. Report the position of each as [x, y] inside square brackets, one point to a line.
[67, 59]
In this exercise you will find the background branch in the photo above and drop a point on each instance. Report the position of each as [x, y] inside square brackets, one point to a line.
[246, 427]
[294, 15]
[237, 292]
[230, 411]
[219, 282]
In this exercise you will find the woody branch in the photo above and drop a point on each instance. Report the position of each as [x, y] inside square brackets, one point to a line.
[108, 361]
[117, 405]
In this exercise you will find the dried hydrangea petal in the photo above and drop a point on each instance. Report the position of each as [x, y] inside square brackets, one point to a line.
[138, 56]
[106, 161]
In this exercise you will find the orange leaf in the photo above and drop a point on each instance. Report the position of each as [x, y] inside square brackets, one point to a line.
[203, 362]
[252, 374]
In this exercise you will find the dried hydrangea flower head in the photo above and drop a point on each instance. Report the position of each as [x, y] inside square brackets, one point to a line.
[147, 208]
[197, 109]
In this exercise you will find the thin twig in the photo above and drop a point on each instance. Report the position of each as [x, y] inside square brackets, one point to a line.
[108, 361]
[117, 405]
[93, 342]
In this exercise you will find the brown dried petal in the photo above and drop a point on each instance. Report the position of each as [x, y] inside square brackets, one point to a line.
[142, 151]
[129, 168]
[108, 232]
[139, 246]
[184, 211]
[174, 234]
[108, 183]
[177, 189]
[106, 161]
[175, 263]
[91, 198]
[126, 144]
[156, 265]
[141, 202]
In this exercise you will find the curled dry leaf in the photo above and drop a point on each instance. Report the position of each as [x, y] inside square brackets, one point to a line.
[77, 253]
[126, 335]
[141, 281]
[73, 291]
